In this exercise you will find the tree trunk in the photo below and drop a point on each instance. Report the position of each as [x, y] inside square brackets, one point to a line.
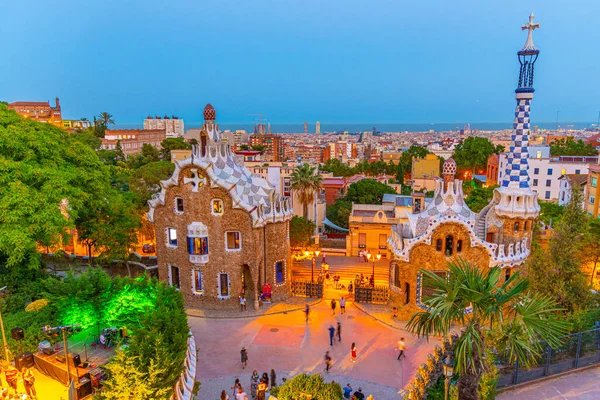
[305, 210]
[593, 272]
[468, 386]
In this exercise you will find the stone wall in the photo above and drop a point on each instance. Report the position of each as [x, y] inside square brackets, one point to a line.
[424, 256]
[198, 208]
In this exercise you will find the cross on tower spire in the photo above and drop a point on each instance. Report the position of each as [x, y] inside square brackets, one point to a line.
[531, 26]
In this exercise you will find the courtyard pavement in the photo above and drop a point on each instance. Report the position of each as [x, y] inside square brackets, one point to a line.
[580, 385]
[286, 342]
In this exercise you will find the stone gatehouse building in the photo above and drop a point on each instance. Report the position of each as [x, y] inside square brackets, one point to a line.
[221, 231]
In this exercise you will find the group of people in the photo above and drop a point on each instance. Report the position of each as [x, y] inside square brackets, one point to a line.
[362, 280]
[259, 386]
[12, 376]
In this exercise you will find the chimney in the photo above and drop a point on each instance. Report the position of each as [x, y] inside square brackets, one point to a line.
[57, 104]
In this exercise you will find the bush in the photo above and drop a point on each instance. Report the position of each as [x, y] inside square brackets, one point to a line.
[312, 385]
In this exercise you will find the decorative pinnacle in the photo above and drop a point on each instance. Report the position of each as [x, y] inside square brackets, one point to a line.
[531, 26]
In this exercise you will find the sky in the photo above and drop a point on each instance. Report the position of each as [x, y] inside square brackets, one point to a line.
[336, 61]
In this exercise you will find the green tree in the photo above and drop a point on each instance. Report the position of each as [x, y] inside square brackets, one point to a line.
[550, 212]
[507, 316]
[88, 138]
[148, 154]
[301, 231]
[105, 119]
[119, 154]
[49, 178]
[367, 191]
[306, 182]
[570, 147]
[591, 248]
[407, 156]
[339, 212]
[258, 147]
[338, 168]
[557, 271]
[312, 385]
[145, 181]
[244, 147]
[172, 144]
[478, 198]
[473, 153]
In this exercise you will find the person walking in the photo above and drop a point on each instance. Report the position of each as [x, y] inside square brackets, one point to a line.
[242, 303]
[350, 288]
[339, 331]
[333, 305]
[237, 385]
[254, 381]
[241, 395]
[331, 333]
[327, 361]
[273, 378]
[342, 305]
[244, 357]
[353, 351]
[401, 348]
[265, 377]
[359, 394]
[307, 311]
[224, 396]
[324, 259]
[28, 382]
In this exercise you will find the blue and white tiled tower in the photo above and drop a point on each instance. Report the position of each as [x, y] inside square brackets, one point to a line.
[515, 199]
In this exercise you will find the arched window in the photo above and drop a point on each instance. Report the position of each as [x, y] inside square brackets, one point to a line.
[203, 143]
[458, 246]
[438, 245]
[407, 292]
[449, 245]
[506, 274]
[525, 226]
[516, 227]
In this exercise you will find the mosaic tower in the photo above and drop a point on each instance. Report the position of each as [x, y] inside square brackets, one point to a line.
[515, 199]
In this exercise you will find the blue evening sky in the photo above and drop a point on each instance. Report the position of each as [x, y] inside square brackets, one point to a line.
[353, 61]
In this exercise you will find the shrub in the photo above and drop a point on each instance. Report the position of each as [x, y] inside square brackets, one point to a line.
[312, 385]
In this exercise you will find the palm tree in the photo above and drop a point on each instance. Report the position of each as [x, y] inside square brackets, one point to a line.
[106, 119]
[307, 182]
[505, 316]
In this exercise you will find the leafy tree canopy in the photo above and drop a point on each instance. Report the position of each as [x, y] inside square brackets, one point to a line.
[301, 231]
[472, 154]
[570, 147]
[312, 385]
[367, 191]
[479, 197]
[550, 212]
[48, 182]
[172, 144]
[148, 154]
[339, 212]
[145, 181]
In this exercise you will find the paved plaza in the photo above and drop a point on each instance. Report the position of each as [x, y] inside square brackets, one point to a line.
[286, 342]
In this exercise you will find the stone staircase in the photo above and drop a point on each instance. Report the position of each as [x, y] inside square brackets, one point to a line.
[480, 227]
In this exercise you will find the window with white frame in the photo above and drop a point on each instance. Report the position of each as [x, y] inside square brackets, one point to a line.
[171, 237]
[233, 241]
[197, 283]
[178, 205]
[174, 276]
[217, 207]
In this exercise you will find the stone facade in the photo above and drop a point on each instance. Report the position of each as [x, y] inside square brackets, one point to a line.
[213, 221]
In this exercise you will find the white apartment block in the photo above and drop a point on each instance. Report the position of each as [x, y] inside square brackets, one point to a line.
[545, 170]
[174, 126]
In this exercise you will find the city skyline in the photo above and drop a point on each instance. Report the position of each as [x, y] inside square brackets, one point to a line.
[348, 62]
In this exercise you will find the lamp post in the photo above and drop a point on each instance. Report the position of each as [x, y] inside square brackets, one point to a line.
[312, 265]
[3, 334]
[448, 372]
[373, 257]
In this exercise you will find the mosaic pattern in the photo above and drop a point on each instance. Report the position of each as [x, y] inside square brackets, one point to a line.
[516, 174]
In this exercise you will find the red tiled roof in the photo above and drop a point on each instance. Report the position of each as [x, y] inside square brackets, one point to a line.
[31, 103]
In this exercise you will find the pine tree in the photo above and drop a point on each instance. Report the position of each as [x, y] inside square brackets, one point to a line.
[119, 151]
[125, 379]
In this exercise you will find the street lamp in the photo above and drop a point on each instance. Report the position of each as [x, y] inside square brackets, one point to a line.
[3, 334]
[371, 256]
[312, 271]
[448, 372]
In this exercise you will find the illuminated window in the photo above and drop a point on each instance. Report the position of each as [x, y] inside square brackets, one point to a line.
[449, 245]
[507, 274]
[223, 286]
[197, 286]
[217, 207]
[198, 245]
[172, 237]
[233, 240]
[525, 226]
[563, 171]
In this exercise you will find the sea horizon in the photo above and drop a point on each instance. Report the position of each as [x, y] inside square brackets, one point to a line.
[381, 127]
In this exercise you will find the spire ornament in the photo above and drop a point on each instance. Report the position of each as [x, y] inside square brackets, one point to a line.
[531, 26]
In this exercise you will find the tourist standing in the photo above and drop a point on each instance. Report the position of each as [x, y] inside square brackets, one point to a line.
[262, 390]
[242, 303]
[350, 287]
[347, 391]
[331, 333]
[11, 377]
[28, 382]
[273, 378]
[244, 357]
[359, 394]
[339, 331]
[265, 377]
[401, 348]
[224, 396]
[353, 351]
[254, 381]
[333, 305]
[241, 395]
[342, 305]
[327, 361]
[324, 260]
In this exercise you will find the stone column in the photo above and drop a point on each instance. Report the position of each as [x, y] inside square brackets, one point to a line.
[256, 289]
